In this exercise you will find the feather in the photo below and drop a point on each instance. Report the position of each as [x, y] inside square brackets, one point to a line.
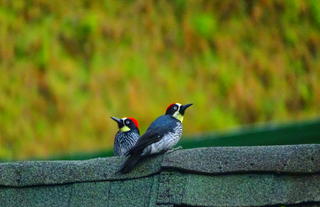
[159, 128]
[129, 164]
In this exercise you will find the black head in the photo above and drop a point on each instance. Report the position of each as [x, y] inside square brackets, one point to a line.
[177, 110]
[126, 124]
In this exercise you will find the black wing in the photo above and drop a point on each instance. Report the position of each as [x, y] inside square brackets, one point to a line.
[145, 140]
[154, 133]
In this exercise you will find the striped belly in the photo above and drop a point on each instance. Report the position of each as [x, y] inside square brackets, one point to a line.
[167, 142]
[124, 142]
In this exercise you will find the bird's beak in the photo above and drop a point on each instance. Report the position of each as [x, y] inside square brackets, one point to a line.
[119, 121]
[184, 107]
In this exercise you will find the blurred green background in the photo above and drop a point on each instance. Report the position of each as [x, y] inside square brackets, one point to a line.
[67, 66]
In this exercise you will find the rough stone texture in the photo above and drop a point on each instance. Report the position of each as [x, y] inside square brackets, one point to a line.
[250, 190]
[172, 187]
[215, 160]
[127, 193]
[222, 176]
[239, 190]
[298, 205]
[51, 196]
[135, 192]
[154, 194]
[93, 194]
[220, 160]
[29, 173]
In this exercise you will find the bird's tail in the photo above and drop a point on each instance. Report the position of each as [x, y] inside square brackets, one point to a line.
[130, 162]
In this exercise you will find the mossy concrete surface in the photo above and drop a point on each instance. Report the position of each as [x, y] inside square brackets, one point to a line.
[281, 159]
[221, 176]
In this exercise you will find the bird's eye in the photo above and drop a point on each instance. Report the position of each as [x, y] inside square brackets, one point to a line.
[127, 122]
[175, 108]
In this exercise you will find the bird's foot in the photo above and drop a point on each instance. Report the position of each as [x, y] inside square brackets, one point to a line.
[174, 149]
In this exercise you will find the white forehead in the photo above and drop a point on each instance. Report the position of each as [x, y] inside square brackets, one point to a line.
[124, 118]
[178, 104]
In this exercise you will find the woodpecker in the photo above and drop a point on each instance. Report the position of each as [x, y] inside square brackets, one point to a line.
[127, 135]
[162, 135]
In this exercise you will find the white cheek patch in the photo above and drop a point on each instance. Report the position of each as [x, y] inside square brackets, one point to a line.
[124, 128]
[177, 114]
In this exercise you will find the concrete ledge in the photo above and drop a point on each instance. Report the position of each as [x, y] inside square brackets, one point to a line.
[290, 159]
[221, 176]
[29, 173]
[237, 189]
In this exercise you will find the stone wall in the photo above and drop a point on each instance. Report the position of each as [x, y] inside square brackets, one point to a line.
[217, 176]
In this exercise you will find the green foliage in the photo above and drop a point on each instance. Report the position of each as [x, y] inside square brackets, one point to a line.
[67, 66]
[204, 24]
[315, 11]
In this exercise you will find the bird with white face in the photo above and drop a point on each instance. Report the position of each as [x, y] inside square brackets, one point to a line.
[127, 135]
[162, 135]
